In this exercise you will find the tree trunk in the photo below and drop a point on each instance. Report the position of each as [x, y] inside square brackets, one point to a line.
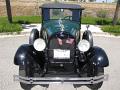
[116, 13]
[8, 8]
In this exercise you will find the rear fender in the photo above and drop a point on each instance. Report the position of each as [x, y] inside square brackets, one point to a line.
[98, 57]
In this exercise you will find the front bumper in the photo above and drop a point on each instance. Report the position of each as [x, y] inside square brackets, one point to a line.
[66, 80]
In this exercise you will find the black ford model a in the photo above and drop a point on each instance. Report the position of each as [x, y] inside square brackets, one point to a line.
[58, 53]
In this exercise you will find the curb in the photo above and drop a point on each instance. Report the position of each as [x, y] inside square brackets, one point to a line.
[18, 34]
[14, 34]
[105, 35]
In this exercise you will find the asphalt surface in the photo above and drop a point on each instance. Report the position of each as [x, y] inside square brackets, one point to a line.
[8, 47]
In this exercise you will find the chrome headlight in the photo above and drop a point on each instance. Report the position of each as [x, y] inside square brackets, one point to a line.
[39, 44]
[83, 45]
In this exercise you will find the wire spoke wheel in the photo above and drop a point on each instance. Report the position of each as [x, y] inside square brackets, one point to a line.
[95, 71]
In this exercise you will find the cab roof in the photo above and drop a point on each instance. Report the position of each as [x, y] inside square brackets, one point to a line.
[61, 6]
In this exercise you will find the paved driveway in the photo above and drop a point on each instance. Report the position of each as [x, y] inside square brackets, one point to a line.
[8, 47]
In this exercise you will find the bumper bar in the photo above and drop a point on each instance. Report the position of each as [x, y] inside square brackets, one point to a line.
[66, 80]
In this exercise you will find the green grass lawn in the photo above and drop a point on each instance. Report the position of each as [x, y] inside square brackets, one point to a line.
[111, 29]
[27, 19]
[106, 24]
[6, 27]
[96, 20]
[18, 20]
[22, 19]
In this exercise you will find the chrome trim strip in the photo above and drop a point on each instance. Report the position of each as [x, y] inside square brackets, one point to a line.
[67, 80]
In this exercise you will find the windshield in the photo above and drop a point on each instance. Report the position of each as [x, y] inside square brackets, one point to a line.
[55, 20]
[64, 14]
[61, 14]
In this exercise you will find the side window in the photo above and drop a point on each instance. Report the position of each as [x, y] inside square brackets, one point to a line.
[76, 15]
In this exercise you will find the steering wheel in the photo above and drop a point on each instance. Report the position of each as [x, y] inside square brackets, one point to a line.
[68, 17]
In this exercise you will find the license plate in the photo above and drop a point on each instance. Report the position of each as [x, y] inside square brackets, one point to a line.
[61, 54]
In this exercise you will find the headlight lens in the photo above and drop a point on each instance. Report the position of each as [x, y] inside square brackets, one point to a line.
[83, 45]
[39, 44]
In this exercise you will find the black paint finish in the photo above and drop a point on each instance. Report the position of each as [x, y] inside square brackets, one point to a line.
[98, 57]
[23, 54]
[33, 35]
[87, 35]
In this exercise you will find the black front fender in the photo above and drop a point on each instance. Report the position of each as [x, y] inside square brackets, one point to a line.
[24, 54]
[98, 57]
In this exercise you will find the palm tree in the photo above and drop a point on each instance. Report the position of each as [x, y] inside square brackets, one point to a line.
[116, 13]
[9, 14]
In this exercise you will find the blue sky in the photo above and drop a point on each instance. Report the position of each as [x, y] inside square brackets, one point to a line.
[104, 0]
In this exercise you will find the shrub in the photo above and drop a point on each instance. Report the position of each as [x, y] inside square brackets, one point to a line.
[104, 21]
[102, 14]
[88, 20]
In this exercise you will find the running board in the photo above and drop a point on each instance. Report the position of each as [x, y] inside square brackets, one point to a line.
[66, 80]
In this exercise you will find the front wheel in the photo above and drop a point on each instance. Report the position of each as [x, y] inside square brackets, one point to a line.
[96, 71]
[24, 72]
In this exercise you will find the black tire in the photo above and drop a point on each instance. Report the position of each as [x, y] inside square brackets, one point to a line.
[33, 36]
[24, 72]
[87, 35]
[98, 71]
